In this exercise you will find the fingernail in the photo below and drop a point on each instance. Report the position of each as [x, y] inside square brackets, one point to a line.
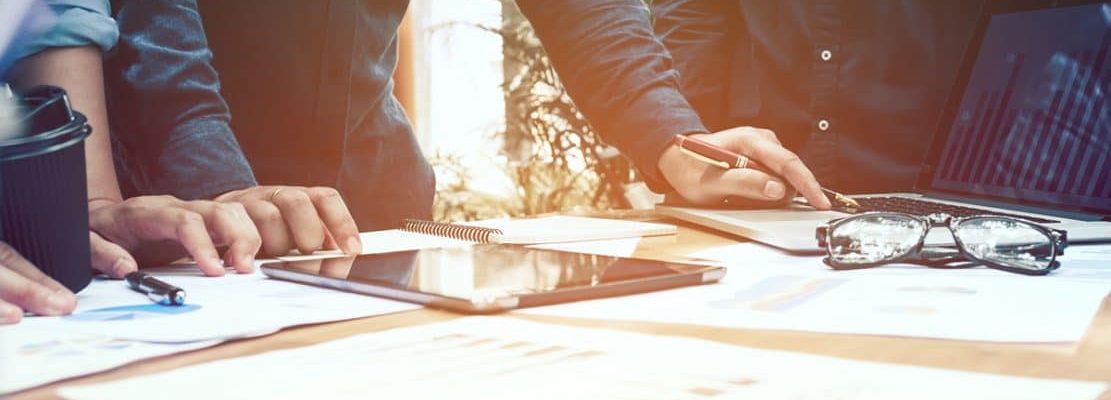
[123, 266]
[246, 265]
[774, 190]
[60, 302]
[354, 246]
[219, 270]
[10, 314]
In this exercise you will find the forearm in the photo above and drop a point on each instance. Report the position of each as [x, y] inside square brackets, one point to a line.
[619, 75]
[78, 70]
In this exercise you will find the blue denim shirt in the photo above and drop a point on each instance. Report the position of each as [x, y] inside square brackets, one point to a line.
[309, 86]
[855, 87]
[170, 126]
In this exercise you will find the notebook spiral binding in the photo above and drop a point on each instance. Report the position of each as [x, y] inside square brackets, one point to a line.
[454, 231]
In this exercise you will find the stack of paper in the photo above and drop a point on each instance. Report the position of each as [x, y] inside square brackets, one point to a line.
[504, 358]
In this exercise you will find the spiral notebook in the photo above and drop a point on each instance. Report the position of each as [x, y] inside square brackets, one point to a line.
[540, 230]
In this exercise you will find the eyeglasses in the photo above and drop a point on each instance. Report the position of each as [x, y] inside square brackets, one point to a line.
[1004, 243]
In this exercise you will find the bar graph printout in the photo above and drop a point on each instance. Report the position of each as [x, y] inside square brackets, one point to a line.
[506, 358]
[911, 301]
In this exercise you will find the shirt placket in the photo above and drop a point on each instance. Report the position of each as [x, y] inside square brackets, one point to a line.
[821, 150]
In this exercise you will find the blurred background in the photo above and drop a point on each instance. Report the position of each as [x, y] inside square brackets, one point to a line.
[490, 114]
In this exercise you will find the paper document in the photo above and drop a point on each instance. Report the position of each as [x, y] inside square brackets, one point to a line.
[612, 247]
[1081, 263]
[561, 228]
[31, 357]
[918, 305]
[504, 358]
[224, 307]
[114, 325]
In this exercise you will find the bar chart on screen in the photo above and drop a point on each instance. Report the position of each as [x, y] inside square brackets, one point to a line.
[1034, 121]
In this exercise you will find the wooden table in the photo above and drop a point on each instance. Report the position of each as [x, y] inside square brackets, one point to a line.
[1088, 360]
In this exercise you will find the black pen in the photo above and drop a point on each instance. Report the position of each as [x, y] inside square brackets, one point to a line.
[157, 290]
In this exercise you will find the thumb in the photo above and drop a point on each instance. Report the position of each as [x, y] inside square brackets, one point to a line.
[110, 258]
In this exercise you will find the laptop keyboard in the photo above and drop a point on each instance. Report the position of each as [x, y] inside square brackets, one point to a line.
[925, 207]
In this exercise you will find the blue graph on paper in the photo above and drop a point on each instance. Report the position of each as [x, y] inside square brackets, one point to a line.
[132, 312]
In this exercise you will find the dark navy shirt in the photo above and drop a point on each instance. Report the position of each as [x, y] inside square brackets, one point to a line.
[854, 86]
[309, 88]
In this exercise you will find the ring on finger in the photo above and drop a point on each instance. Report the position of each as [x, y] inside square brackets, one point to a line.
[274, 194]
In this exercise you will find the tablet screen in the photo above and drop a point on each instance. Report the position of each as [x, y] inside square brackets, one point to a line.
[486, 271]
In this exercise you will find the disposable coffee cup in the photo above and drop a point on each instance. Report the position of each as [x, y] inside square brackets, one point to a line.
[43, 196]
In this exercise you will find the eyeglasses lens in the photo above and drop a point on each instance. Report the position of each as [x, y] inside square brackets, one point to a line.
[874, 238]
[1008, 242]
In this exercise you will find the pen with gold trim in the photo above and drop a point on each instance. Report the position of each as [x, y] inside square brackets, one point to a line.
[726, 159]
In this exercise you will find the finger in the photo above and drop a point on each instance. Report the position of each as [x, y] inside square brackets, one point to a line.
[748, 183]
[300, 216]
[337, 218]
[229, 225]
[110, 258]
[9, 313]
[183, 226]
[329, 240]
[11, 259]
[276, 239]
[786, 164]
[764, 134]
[29, 295]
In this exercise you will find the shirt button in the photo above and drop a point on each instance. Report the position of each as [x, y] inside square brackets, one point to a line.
[825, 55]
[823, 125]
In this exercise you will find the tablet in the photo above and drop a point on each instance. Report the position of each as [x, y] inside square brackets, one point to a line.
[491, 278]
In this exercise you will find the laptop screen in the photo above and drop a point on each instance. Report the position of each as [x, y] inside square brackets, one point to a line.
[1033, 121]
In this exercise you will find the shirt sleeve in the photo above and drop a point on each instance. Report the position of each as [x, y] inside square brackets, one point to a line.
[702, 37]
[170, 125]
[78, 23]
[619, 75]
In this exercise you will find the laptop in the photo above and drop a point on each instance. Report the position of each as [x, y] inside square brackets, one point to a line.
[1047, 158]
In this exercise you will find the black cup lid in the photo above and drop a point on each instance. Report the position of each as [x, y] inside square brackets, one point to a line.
[53, 125]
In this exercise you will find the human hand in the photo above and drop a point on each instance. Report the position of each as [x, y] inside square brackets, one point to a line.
[705, 184]
[160, 229]
[307, 219]
[24, 288]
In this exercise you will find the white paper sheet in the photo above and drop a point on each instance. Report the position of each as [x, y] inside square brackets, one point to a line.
[613, 247]
[503, 358]
[113, 325]
[1082, 263]
[31, 357]
[224, 307]
[917, 305]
